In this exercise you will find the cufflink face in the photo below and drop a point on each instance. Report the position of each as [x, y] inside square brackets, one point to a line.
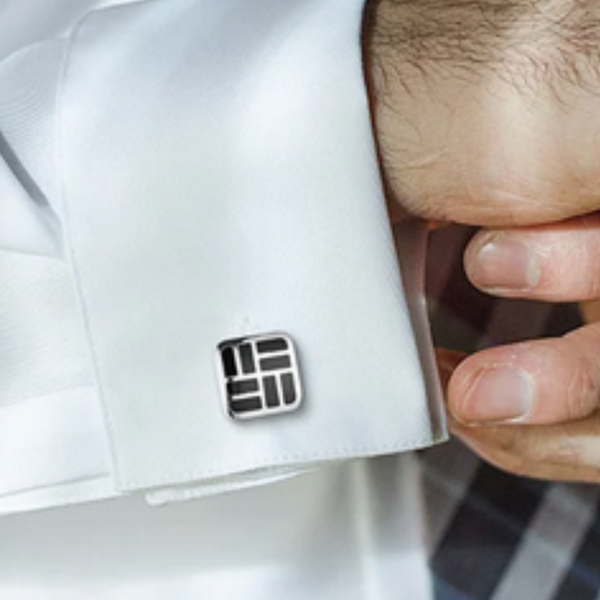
[259, 376]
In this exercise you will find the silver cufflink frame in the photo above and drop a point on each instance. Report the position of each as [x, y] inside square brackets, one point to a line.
[259, 376]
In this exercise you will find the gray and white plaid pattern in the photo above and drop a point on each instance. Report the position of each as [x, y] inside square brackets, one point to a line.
[493, 536]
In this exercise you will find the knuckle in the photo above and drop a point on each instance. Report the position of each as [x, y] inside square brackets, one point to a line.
[590, 287]
[590, 283]
[572, 445]
[561, 452]
[564, 450]
[523, 451]
[567, 454]
[517, 465]
[582, 391]
[509, 451]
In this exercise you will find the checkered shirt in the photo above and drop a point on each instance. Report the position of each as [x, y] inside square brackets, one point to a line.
[493, 536]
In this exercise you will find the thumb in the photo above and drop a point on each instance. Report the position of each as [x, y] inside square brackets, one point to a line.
[511, 384]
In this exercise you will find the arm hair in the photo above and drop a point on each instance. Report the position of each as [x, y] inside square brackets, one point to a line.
[530, 43]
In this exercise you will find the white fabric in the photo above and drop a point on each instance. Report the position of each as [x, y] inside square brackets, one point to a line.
[350, 532]
[197, 202]
[174, 173]
[52, 429]
[65, 442]
[25, 22]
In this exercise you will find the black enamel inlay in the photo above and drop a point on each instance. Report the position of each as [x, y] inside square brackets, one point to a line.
[244, 386]
[228, 362]
[247, 357]
[246, 405]
[274, 345]
[289, 389]
[271, 392]
[276, 363]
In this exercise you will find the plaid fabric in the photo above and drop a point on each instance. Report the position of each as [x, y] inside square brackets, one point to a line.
[494, 536]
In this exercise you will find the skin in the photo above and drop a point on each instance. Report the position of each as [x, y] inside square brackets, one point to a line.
[487, 112]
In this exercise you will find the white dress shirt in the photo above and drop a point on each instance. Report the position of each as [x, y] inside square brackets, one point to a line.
[174, 174]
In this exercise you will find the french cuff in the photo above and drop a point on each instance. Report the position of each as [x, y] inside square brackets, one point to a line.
[219, 188]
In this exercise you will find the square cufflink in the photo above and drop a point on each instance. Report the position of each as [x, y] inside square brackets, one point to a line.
[259, 376]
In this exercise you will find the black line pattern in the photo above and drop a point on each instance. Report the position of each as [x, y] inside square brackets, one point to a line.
[260, 376]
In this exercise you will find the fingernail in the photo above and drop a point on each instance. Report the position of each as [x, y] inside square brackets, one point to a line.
[503, 263]
[498, 395]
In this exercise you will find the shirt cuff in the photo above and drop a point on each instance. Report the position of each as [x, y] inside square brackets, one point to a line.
[217, 181]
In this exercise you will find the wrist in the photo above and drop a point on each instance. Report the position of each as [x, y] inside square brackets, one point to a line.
[475, 103]
[425, 103]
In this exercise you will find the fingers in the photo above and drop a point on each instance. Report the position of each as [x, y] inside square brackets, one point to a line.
[555, 262]
[558, 437]
[541, 382]
[567, 452]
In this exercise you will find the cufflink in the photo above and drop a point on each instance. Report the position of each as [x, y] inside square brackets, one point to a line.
[259, 376]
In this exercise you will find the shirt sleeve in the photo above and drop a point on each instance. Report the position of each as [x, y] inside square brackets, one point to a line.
[210, 176]
[52, 435]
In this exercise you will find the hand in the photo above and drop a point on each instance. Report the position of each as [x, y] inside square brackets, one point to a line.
[488, 113]
[548, 442]
[533, 408]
